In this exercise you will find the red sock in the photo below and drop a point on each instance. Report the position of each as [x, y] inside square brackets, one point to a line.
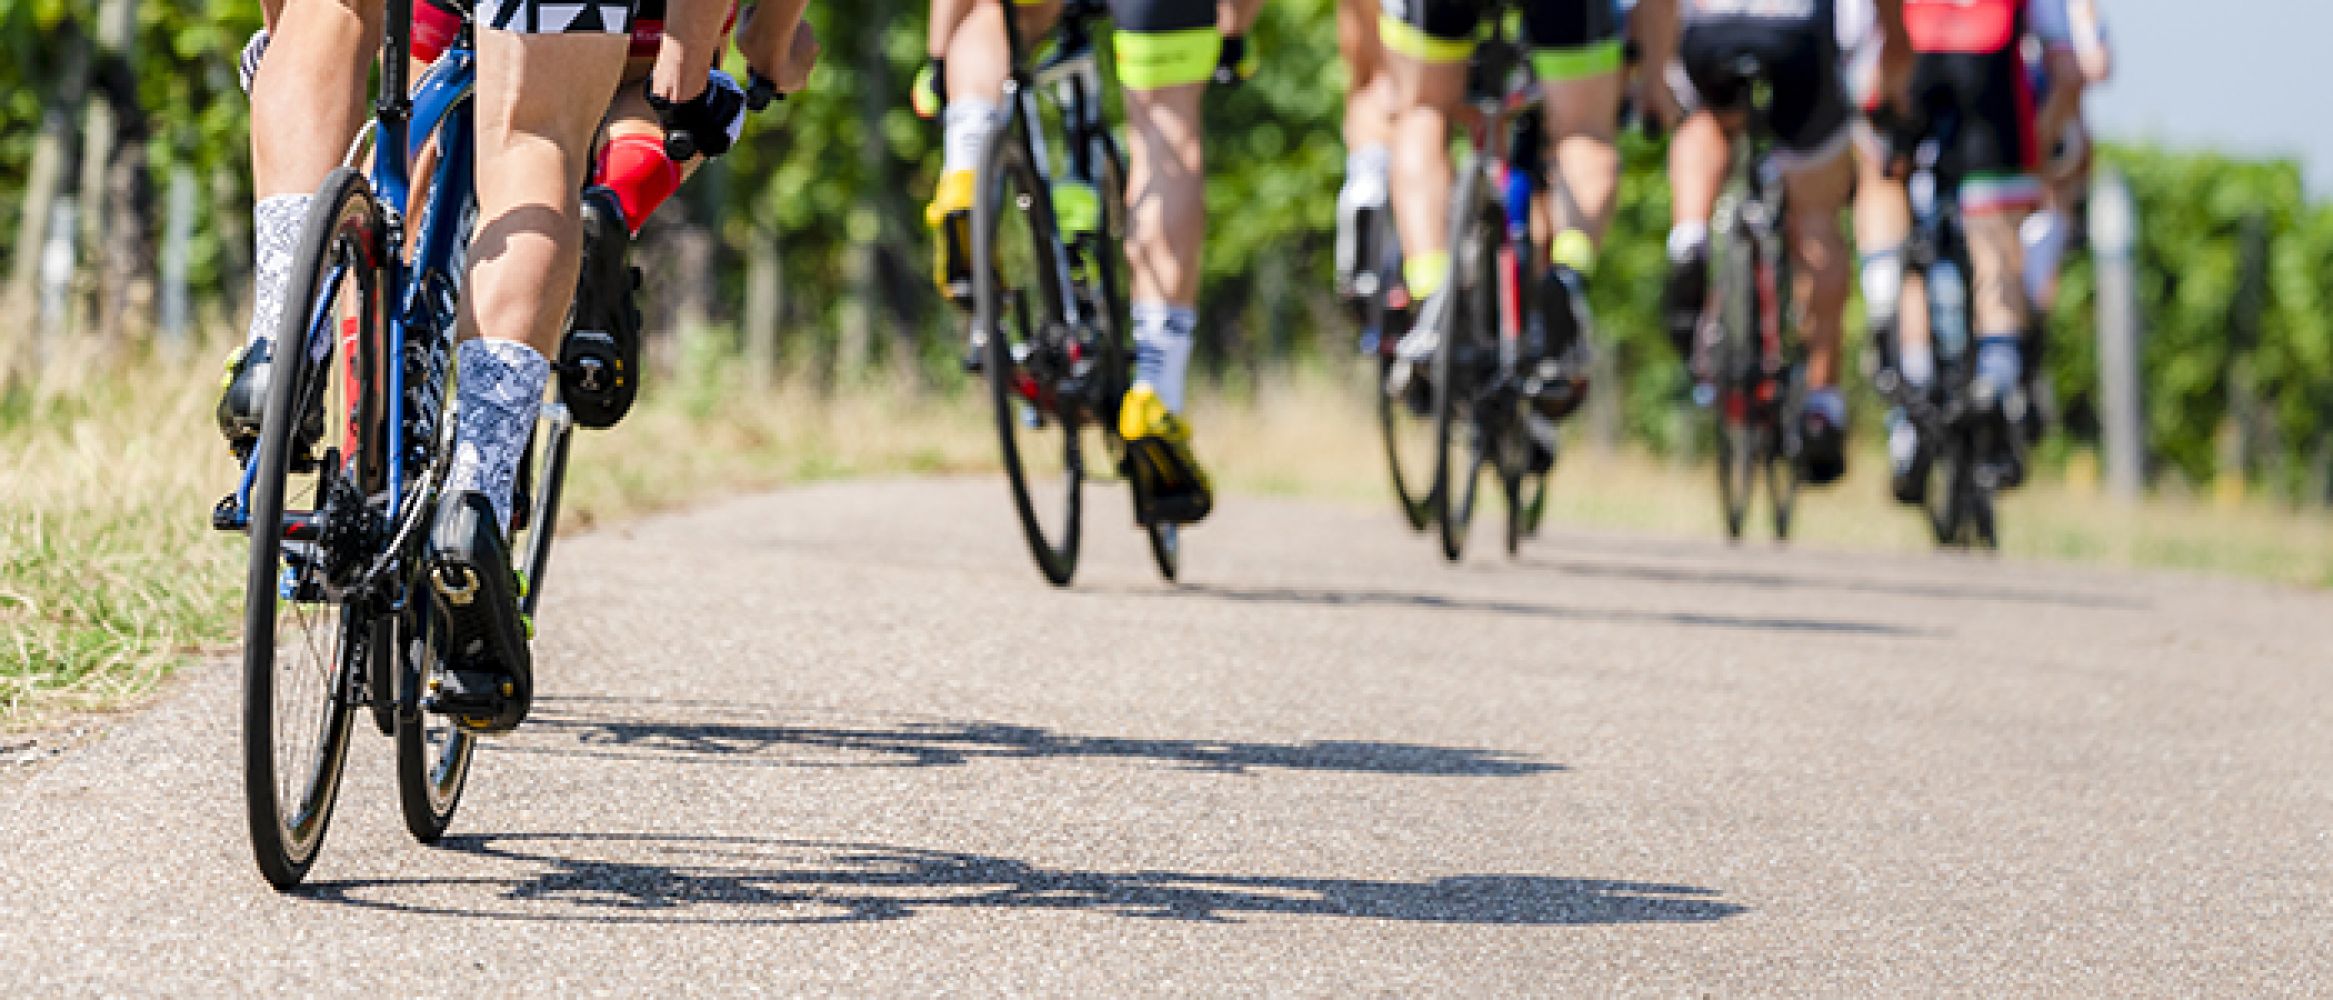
[636, 169]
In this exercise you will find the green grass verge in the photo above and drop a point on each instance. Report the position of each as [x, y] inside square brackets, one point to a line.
[110, 575]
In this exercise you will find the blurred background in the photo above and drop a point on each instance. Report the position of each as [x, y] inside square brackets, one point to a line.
[796, 333]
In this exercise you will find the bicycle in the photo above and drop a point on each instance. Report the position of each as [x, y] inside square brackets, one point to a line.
[1050, 319]
[1382, 311]
[1968, 445]
[1758, 377]
[337, 535]
[1482, 385]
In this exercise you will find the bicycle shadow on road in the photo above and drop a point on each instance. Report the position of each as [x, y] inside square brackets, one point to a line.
[569, 727]
[1327, 597]
[709, 880]
[1656, 573]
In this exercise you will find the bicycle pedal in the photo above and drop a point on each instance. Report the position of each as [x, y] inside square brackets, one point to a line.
[457, 584]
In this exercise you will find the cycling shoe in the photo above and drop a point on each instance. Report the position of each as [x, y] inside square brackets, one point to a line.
[243, 395]
[1170, 486]
[486, 676]
[599, 361]
[1557, 339]
[1822, 454]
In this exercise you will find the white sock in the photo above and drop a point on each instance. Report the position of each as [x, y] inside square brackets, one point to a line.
[500, 385]
[1162, 349]
[275, 237]
[1883, 286]
[2044, 235]
[1687, 239]
[966, 125]
[1368, 176]
[1918, 364]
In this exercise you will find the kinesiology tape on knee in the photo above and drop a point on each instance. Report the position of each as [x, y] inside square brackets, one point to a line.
[636, 169]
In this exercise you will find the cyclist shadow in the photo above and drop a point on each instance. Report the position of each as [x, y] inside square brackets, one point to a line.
[1750, 580]
[697, 732]
[1328, 597]
[713, 880]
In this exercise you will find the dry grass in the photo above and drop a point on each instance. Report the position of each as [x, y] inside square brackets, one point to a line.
[109, 573]
[1315, 435]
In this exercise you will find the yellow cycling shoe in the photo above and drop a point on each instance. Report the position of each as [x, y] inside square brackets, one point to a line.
[1169, 485]
[950, 219]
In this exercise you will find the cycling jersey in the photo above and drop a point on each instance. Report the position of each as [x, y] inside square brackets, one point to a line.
[1796, 46]
[557, 17]
[1570, 39]
[1972, 75]
[436, 22]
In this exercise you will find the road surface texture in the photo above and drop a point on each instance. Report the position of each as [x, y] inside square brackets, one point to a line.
[842, 739]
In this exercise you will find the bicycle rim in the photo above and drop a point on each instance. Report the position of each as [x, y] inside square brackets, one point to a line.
[1738, 318]
[433, 754]
[1468, 343]
[1018, 314]
[305, 639]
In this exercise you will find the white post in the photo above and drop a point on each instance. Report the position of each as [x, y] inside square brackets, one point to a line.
[2114, 227]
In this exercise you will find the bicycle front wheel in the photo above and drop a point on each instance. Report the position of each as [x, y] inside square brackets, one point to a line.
[305, 635]
[1018, 312]
[1467, 357]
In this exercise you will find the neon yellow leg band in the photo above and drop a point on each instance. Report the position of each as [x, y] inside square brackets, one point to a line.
[1573, 249]
[1566, 65]
[1156, 60]
[1426, 273]
[1410, 40]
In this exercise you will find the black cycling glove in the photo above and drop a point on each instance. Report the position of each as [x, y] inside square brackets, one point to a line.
[1236, 65]
[706, 126]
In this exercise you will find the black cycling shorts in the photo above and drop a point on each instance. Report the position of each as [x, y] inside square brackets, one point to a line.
[1985, 102]
[1799, 59]
[1569, 39]
[556, 17]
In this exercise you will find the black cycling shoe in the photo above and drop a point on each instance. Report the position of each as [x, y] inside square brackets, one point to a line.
[1822, 449]
[1683, 295]
[487, 680]
[243, 396]
[599, 361]
[1554, 336]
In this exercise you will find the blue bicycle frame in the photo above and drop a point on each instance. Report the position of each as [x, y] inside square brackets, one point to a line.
[421, 287]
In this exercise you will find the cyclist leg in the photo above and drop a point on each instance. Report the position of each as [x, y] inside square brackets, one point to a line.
[1167, 52]
[1426, 44]
[978, 61]
[1368, 131]
[540, 98]
[1811, 121]
[1699, 152]
[308, 98]
[1577, 53]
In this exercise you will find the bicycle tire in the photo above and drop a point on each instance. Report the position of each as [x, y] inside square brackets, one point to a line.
[1401, 420]
[433, 753]
[1008, 186]
[1738, 316]
[1463, 347]
[344, 220]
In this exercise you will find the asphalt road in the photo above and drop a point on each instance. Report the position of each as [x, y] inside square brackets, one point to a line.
[842, 739]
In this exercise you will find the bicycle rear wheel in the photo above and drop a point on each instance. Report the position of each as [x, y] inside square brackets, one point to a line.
[1738, 445]
[1468, 350]
[304, 632]
[1405, 402]
[1017, 311]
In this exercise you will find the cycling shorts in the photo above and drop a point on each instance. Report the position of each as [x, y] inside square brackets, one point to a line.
[1570, 39]
[1796, 46]
[437, 22]
[557, 17]
[1988, 98]
[1164, 43]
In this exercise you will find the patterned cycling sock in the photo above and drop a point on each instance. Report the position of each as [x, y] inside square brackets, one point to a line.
[275, 230]
[500, 386]
[636, 169]
[967, 124]
[1162, 349]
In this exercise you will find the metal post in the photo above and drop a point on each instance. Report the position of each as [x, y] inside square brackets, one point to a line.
[2114, 227]
[177, 241]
